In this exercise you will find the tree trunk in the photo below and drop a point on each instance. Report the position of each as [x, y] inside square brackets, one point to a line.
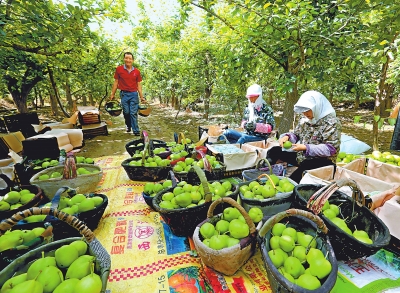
[207, 95]
[84, 100]
[270, 96]
[357, 100]
[56, 95]
[287, 120]
[68, 96]
[91, 99]
[330, 98]
[53, 102]
[36, 100]
[41, 99]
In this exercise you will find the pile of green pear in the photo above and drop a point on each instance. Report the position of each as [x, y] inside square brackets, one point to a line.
[59, 175]
[186, 165]
[296, 256]
[186, 195]
[332, 212]
[14, 199]
[260, 190]
[229, 229]
[385, 157]
[41, 164]
[152, 188]
[15, 238]
[71, 205]
[83, 160]
[70, 270]
[114, 107]
[155, 161]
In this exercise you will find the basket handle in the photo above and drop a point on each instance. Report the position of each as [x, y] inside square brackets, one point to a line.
[235, 204]
[7, 180]
[204, 183]
[268, 178]
[288, 213]
[260, 162]
[145, 150]
[318, 199]
[71, 220]
[181, 138]
[56, 199]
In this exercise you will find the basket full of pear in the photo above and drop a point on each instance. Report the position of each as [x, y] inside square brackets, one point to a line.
[19, 198]
[354, 230]
[297, 253]
[73, 264]
[226, 241]
[75, 175]
[271, 193]
[152, 188]
[185, 205]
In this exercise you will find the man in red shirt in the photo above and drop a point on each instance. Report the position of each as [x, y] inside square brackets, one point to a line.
[128, 81]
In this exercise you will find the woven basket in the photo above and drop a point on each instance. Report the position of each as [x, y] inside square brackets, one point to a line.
[228, 260]
[90, 218]
[113, 112]
[132, 146]
[192, 178]
[252, 174]
[149, 199]
[36, 200]
[102, 262]
[82, 183]
[352, 208]
[307, 223]
[144, 110]
[183, 221]
[270, 206]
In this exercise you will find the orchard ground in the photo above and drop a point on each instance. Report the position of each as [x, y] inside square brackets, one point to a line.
[163, 122]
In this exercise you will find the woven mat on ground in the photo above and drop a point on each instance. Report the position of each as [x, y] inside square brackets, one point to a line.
[147, 257]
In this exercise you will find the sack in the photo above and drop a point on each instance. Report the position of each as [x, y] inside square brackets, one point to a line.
[228, 260]
[301, 221]
[352, 209]
[351, 145]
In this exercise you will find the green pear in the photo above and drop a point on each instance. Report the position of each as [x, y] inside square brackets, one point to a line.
[30, 286]
[309, 282]
[86, 205]
[35, 218]
[77, 198]
[286, 243]
[293, 266]
[27, 197]
[360, 233]
[79, 268]
[274, 242]
[320, 267]
[10, 240]
[278, 228]
[98, 200]
[28, 235]
[290, 232]
[80, 245]
[4, 206]
[12, 197]
[89, 284]
[63, 203]
[24, 191]
[67, 286]
[307, 240]
[50, 278]
[15, 206]
[38, 265]
[11, 283]
[300, 253]
[335, 208]
[276, 258]
[69, 210]
[38, 231]
[66, 255]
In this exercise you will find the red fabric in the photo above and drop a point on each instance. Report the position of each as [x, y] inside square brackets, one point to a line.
[127, 81]
[263, 128]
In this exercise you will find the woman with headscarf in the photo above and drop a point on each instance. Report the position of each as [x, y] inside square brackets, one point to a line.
[258, 120]
[316, 138]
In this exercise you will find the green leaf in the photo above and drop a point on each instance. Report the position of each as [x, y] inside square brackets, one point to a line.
[376, 118]
[357, 119]
[267, 5]
[380, 123]
[383, 42]
[392, 121]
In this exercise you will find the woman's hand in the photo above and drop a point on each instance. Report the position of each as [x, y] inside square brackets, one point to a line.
[282, 140]
[298, 147]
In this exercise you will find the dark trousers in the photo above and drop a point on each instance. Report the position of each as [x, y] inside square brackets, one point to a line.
[276, 153]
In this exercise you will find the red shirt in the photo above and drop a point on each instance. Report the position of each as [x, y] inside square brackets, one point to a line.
[127, 81]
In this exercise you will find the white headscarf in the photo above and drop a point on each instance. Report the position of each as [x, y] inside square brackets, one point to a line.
[254, 89]
[317, 103]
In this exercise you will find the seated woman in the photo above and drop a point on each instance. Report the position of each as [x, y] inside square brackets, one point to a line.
[316, 138]
[258, 120]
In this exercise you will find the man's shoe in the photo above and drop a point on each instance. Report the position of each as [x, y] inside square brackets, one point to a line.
[136, 133]
[128, 129]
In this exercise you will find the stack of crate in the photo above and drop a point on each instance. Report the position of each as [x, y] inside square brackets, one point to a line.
[89, 120]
